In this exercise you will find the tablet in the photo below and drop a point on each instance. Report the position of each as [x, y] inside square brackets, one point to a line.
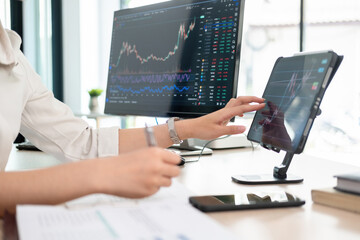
[293, 95]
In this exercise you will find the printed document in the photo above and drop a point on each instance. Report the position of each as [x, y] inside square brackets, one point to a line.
[164, 216]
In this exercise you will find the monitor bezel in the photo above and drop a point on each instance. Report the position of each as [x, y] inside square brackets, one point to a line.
[180, 113]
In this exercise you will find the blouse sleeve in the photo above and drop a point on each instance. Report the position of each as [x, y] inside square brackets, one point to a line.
[53, 128]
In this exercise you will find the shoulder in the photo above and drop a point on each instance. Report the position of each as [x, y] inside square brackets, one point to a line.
[22, 68]
[15, 39]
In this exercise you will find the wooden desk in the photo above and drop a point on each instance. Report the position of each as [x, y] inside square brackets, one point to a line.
[212, 175]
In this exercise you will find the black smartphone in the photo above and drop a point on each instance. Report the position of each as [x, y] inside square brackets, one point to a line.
[243, 201]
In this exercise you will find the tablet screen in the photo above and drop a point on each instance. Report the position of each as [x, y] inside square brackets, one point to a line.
[294, 84]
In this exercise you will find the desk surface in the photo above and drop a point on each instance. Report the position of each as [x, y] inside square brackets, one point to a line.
[212, 175]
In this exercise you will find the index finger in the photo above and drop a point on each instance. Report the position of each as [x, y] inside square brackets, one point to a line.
[250, 108]
[248, 99]
[239, 110]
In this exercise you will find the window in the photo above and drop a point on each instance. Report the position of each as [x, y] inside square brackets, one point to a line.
[331, 24]
[37, 33]
[87, 28]
[5, 13]
[37, 39]
[265, 38]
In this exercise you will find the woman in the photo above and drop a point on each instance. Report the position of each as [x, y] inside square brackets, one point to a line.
[120, 162]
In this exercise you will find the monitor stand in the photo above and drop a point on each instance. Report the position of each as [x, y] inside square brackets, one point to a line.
[279, 175]
[191, 149]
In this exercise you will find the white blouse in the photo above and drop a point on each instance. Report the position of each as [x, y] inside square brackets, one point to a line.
[26, 106]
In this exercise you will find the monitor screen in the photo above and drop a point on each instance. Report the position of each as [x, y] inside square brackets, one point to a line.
[176, 58]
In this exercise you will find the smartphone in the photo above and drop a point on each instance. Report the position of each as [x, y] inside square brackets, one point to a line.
[243, 201]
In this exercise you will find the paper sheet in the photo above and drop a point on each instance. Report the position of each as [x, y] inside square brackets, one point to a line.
[177, 192]
[166, 215]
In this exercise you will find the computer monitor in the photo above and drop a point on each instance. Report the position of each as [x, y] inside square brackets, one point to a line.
[176, 58]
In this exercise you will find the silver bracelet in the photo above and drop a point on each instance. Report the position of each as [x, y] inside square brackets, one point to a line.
[172, 131]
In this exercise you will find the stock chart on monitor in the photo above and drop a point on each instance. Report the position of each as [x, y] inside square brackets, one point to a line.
[177, 58]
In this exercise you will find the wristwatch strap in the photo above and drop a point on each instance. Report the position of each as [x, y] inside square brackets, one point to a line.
[172, 131]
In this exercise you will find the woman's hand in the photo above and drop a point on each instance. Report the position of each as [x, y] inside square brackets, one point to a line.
[214, 125]
[135, 174]
[138, 173]
[273, 125]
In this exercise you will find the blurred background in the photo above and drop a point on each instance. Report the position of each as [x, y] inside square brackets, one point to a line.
[68, 44]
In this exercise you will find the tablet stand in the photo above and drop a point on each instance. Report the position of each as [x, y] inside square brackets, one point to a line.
[279, 175]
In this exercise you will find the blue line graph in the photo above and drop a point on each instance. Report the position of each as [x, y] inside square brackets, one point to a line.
[149, 89]
[151, 78]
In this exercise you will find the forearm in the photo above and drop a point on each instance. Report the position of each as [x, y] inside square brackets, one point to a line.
[132, 139]
[207, 127]
[133, 175]
[46, 186]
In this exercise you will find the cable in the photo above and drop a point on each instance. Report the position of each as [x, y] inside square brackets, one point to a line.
[223, 137]
[202, 150]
